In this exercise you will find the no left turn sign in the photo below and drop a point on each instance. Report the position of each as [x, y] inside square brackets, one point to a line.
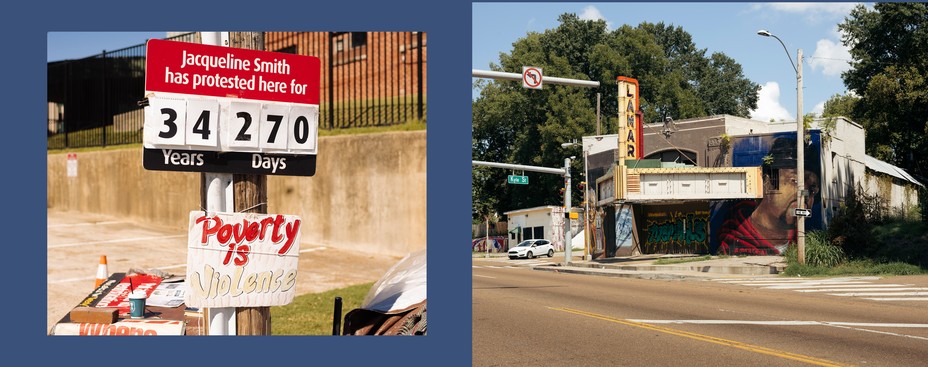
[531, 77]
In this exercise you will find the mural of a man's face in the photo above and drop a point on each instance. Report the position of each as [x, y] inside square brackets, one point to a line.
[780, 205]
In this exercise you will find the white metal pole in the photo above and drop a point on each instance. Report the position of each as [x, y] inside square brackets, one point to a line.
[568, 236]
[586, 205]
[219, 198]
[547, 79]
[597, 118]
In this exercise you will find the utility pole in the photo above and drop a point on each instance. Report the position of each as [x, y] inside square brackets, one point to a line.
[558, 171]
[800, 165]
[250, 196]
[568, 232]
[800, 151]
[240, 193]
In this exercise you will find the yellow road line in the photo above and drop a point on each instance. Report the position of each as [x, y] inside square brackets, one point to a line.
[710, 339]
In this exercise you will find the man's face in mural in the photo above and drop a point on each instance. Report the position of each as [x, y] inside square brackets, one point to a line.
[777, 203]
[776, 211]
[767, 226]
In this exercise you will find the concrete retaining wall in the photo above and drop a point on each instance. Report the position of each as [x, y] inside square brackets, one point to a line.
[369, 191]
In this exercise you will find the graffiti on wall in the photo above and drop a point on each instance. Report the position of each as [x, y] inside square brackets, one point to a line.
[557, 228]
[497, 244]
[624, 230]
[677, 229]
[768, 226]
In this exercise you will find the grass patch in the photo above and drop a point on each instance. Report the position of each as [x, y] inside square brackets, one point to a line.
[94, 149]
[819, 252]
[415, 125]
[903, 241]
[680, 260]
[900, 248]
[856, 267]
[93, 138]
[312, 314]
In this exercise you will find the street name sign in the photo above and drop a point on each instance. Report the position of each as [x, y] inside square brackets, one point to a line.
[230, 110]
[519, 180]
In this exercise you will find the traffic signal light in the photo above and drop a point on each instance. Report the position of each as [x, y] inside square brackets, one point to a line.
[561, 191]
[581, 185]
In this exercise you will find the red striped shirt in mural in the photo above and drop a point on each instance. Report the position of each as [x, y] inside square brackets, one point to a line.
[739, 236]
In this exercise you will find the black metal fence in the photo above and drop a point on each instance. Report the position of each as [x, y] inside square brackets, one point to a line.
[368, 79]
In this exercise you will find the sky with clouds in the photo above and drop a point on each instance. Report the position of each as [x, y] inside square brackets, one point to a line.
[729, 28]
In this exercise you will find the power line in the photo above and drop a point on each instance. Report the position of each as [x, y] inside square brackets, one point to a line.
[829, 58]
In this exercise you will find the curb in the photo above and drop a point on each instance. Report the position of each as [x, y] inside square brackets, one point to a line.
[615, 273]
[664, 272]
[715, 269]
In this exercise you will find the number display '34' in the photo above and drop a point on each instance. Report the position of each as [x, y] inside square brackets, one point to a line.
[231, 125]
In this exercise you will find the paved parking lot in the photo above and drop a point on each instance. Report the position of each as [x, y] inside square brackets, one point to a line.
[77, 240]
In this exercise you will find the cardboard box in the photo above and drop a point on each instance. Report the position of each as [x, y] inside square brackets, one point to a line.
[94, 315]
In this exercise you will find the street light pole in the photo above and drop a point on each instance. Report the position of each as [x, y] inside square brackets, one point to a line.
[586, 198]
[568, 235]
[800, 151]
[586, 204]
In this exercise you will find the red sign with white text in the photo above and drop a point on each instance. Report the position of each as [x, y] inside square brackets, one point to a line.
[192, 68]
[119, 296]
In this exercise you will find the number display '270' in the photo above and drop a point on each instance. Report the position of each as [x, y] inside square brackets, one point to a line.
[241, 126]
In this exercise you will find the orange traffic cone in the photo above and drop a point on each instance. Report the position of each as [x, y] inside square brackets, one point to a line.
[102, 273]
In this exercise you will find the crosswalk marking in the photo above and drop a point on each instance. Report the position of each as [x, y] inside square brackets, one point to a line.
[781, 323]
[871, 288]
[840, 287]
[810, 285]
[871, 294]
[516, 265]
[775, 280]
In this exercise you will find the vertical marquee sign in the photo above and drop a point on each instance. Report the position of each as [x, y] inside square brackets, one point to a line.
[242, 259]
[631, 133]
[230, 110]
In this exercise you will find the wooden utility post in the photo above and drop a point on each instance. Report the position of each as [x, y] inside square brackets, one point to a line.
[232, 185]
[250, 196]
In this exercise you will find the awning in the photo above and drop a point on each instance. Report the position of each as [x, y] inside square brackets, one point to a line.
[883, 167]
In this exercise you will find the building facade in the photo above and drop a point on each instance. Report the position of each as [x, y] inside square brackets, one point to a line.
[545, 222]
[835, 164]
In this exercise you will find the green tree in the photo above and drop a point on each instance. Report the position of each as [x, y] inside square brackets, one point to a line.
[841, 105]
[889, 47]
[515, 125]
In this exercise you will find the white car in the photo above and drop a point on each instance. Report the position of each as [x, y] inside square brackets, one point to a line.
[531, 248]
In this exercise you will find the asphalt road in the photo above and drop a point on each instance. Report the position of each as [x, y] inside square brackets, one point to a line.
[524, 317]
[77, 240]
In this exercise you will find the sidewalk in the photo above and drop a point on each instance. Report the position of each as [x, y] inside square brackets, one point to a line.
[644, 267]
[76, 241]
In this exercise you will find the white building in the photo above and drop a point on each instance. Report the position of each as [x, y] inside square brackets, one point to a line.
[845, 165]
[539, 222]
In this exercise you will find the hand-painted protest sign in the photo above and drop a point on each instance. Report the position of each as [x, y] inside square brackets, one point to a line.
[241, 259]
